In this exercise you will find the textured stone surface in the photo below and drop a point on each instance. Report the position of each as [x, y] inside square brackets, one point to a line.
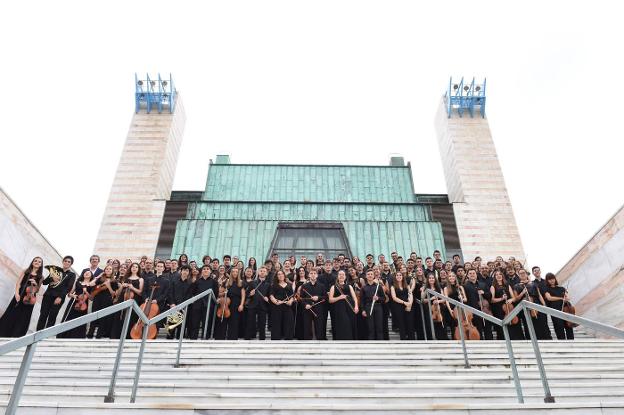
[595, 274]
[143, 181]
[485, 221]
[20, 242]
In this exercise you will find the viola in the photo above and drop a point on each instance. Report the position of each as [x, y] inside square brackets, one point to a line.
[569, 308]
[223, 305]
[30, 294]
[82, 301]
[151, 311]
[100, 288]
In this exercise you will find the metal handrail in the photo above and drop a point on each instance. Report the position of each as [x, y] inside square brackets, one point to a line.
[465, 307]
[30, 341]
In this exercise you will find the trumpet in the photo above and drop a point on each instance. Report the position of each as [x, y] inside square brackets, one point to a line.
[174, 320]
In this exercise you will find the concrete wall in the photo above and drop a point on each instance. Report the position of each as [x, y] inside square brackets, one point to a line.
[143, 182]
[595, 275]
[485, 221]
[20, 242]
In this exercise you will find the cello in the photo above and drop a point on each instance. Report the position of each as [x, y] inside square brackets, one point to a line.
[470, 331]
[151, 311]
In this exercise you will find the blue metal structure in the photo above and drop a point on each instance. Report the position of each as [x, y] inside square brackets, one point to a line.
[154, 92]
[464, 95]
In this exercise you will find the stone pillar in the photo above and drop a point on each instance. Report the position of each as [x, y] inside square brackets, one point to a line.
[142, 184]
[476, 187]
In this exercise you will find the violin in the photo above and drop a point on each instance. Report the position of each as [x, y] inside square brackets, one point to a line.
[30, 294]
[151, 311]
[465, 324]
[82, 301]
[508, 308]
[100, 288]
[128, 294]
[436, 312]
[223, 304]
[569, 308]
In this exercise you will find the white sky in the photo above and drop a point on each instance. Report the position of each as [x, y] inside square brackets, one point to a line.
[315, 82]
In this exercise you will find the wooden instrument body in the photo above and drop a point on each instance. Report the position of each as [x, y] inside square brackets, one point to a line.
[30, 294]
[507, 309]
[436, 312]
[223, 306]
[82, 301]
[569, 308]
[465, 324]
[151, 311]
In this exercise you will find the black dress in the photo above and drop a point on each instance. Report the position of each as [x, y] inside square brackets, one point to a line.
[235, 295]
[79, 332]
[402, 319]
[281, 315]
[562, 331]
[16, 318]
[343, 314]
[101, 301]
[298, 309]
[118, 318]
[497, 309]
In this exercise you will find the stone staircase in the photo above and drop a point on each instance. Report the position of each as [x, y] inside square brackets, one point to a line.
[279, 377]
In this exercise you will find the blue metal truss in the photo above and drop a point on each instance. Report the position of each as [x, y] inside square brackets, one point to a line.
[463, 96]
[159, 93]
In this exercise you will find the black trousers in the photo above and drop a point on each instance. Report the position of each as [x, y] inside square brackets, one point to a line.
[197, 320]
[542, 331]
[282, 322]
[322, 311]
[256, 323]
[312, 326]
[49, 312]
[562, 331]
[374, 322]
[386, 315]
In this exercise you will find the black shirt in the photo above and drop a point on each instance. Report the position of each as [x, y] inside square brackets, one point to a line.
[368, 292]
[180, 290]
[200, 285]
[555, 292]
[161, 293]
[281, 293]
[472, 292]
[262, 291]
[64, 286]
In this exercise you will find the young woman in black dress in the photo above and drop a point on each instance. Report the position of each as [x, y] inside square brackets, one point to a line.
[501, 293]
[342, 296]
[132, 288]
[455, 291]
[79, 296]
[16, 317]
[301, 277]
[420, 318]
[106, 282]
[227, 328]
[356, 282]
[248, 282]
[555, 297]
[437, 305]
[402, 302]
[281, 296]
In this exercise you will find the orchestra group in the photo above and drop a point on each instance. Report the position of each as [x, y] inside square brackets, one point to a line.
[295, 300]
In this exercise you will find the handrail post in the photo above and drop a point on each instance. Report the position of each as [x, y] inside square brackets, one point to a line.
[422, 317]
[122, 339]
[214, 317]
[461, 336]
[512, 363]
[137, 371]
[16, 393]
[433, 335]
[548, 398]
[204, 331]
[177, 363]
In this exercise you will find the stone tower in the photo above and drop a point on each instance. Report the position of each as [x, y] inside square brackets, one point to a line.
[476, 187]
[144, 177]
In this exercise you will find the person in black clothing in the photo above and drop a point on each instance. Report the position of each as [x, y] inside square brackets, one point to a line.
[95, 269]
[436, 309]
[299, 279]
[555, 298]
[342, 296]
[372, 292]
[228, 327]
[327, 278]
[258, 306]
[501, 293]
[83, 286]
[402, 305]
[104, 292]
[179, 292]
[537, 291]
[200, 308]
[281, 296]
[131, 287]
[474, 293]
[16, 317]
[313, 295]
[248, 285]
[59, 283]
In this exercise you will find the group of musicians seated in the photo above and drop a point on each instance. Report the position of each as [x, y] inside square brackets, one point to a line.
[361, 299]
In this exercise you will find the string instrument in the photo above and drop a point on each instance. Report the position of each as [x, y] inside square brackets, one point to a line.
[346, 298]
[436, 312]
[29, 296]
[508, 308]
[223, 304]
[410, 298]
[469, 330]
[100, 288]
[151, 311]
[569, 308]
[485, 305]
[128, 293]
[82, 301]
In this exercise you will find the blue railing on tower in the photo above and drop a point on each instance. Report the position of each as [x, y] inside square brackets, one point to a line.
[154, 92]
[464, 95]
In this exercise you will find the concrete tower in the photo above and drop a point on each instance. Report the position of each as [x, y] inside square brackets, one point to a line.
[145, 173]
[476, 187]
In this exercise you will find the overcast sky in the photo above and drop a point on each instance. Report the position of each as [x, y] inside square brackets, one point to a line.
[316, 82]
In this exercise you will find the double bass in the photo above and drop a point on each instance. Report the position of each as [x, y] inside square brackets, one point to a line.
[151, 311]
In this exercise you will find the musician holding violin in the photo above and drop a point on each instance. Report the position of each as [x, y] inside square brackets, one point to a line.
[16, 317]
[78, 305]
[557, 298]
[476, 291]
[502, 299]
[102, 295]
[537, 290]
[131, 289]
[282, 298]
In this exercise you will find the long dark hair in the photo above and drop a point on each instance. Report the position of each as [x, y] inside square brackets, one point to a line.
[254, 266]
[29, 270]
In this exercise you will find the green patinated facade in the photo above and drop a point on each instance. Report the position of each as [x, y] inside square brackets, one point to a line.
[242, 206]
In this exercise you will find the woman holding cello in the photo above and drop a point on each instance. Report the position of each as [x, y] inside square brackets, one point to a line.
[557, 298]
[16, 317]
[78, 306]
